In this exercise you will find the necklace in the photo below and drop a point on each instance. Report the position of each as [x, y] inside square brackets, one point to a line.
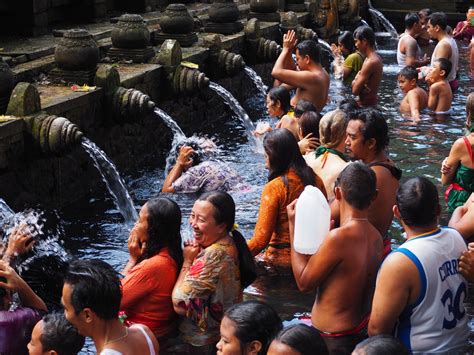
[354, 219]
[117, 339]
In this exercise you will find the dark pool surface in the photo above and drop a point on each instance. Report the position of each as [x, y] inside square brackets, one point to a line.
[418, 148]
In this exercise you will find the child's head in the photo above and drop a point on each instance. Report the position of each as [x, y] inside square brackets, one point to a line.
[298, 339]
[304, 106]
[407, 78]
[441, 69]
[55, 335]
[278, 101]
[248, 328]
[309, 123]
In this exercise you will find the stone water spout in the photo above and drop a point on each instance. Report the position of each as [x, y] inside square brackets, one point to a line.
[124, 103]
[259, 49]
[181, 79]
[222, 59]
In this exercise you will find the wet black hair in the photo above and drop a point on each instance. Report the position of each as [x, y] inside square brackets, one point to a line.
[283, 153]
[418, 202]
[348, 105]
[164, 229]
[303, 106]
[280, 93]
[224, 212]
[254, 320]
[411, 19]
[304, 339]
[358, 184]
[439, 19]
[60, 335]
[365, 33]
[409, 72]
[446, 65]
[425, 13]
[374, 127]
[197, 156]
[309, 48]
[95, 285]
[309, 123]
[382, 344]
[347, 39]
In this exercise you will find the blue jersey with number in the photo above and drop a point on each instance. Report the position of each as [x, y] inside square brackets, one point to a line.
[437, 322]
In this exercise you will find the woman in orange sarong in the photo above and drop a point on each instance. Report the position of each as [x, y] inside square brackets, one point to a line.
[288, 175]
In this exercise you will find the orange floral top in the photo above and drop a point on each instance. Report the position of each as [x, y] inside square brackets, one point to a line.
[272, 228]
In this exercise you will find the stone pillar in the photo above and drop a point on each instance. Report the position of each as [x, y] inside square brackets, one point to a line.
[176, 23]
[224, 18]
[264, 10]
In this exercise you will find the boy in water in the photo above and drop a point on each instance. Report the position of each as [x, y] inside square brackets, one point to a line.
[440, 94]
[345, 264]
[415, 98]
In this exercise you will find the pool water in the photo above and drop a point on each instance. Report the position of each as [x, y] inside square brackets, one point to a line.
[95, 229]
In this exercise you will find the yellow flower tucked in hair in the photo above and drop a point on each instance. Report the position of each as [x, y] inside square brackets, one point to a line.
[235, 227]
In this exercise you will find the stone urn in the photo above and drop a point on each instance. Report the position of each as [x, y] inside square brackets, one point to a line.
[7, 80]
[223, 11]
[77, 50]
[130, 32]
[288, 20]
[176, 19]
[263, 6]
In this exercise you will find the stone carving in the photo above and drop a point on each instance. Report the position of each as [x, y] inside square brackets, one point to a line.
[176, 23]
[325, 18]
[259, 49]
[264, 10]
[77, 50]
[289, 21]
[348, 11]
[229, 62]
[131, 40]
[24, 100]
[224, 17]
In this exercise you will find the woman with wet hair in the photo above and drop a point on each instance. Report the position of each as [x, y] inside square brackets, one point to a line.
[298, 339]
[352, 58]
[217, 267]
[288, 175]
[155, 258]
[248, 329]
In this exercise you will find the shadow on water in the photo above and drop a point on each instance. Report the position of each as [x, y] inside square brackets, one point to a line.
[95, 230]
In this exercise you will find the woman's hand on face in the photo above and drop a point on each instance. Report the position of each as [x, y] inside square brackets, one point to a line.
[184, 157]
[190, 250]
[135, 247]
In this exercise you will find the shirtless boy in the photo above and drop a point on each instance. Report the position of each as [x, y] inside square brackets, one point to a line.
[367, 81]
[345, 264]
[440, 94]
[308, 76]
[415, 98]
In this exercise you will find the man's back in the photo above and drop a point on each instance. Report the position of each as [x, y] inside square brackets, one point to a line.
[345, 295]
[440, 96]
[437, 322]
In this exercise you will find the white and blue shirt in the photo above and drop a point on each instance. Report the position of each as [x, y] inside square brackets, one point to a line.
[437, 322]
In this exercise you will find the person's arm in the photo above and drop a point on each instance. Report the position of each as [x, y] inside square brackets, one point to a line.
[450, 164]
[462, 219]
[433, 95]
[466, 263]
[15, 283]
[20, 242]
[135, 288]
[311, 271]
[182, 162]
[267, 217]
[392, 293]
[411, 52]
[459, 30]
[362, 77]
[414, 103]
[308, 143]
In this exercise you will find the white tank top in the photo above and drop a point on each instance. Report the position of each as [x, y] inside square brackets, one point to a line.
[454, 59]
[401, 58]
[148, 341]
[437, 322]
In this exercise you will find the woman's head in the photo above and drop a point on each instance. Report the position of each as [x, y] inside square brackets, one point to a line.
[278, 101]
[212, 218]
[346, 42]
[309, 123]
[332, 128]
[282, 153]
[159, 226]
[298, 339]
[248, 328]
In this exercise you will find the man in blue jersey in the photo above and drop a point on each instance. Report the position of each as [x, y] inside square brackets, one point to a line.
[420, 293]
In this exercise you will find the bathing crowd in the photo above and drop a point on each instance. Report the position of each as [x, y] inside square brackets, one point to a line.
[370, 298]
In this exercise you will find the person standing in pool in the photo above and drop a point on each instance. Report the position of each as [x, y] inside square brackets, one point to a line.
[408, 50]
[440, 95]
[308, 77]
[367, 81]
[345, 264]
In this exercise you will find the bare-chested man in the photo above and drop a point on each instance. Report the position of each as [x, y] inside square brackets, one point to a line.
[344, 269]
[367, 138]
[416, 99]
[308, 76]
[367, 81]
[408, 50]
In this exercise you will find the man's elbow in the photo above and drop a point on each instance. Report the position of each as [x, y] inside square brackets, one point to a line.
[167, 189]
[276, 73]
[374, 329]
[410, 61]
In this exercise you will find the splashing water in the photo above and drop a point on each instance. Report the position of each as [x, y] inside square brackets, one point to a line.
[381, 23]
[172, 125]
[112, 180]
[326, 47]
[257, 80]
[235, 106]
[5, 211]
